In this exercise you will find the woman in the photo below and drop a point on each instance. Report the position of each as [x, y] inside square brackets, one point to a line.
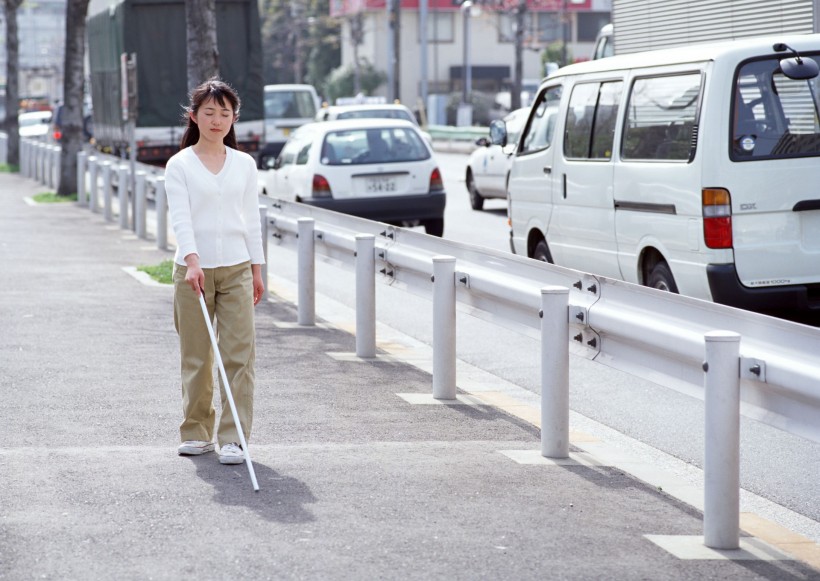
[212, 200]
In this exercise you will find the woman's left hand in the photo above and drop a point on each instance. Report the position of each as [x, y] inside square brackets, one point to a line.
[258, 283]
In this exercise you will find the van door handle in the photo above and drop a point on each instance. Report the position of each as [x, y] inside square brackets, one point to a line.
[547, 170]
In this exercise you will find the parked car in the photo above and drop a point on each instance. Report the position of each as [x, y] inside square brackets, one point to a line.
[380, 169]
[692, 170]
[488, 168]
[370, 111]
[34, 124]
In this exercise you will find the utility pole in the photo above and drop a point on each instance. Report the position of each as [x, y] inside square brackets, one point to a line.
[520, 20]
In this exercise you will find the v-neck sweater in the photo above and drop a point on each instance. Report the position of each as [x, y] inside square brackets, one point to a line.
[215, 216]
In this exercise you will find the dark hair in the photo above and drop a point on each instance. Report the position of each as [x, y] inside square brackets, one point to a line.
[222, 93]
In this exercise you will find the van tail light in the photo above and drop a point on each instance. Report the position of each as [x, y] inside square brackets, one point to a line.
[57, 135]
[436, 183]
[717, 218]
[321, 187]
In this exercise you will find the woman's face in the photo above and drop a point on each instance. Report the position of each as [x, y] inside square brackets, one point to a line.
[214, 120]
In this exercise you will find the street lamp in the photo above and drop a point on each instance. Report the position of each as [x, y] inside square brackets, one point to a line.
[465, 110]
[467, 77]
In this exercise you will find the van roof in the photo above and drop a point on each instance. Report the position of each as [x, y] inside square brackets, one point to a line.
[736, 49]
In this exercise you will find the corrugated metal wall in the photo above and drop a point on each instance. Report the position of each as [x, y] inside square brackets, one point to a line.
[652, 24]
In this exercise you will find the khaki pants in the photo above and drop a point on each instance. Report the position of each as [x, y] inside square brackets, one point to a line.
[229, 297]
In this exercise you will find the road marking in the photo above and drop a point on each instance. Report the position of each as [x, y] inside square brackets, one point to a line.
[691, 547]
[427, 399]
[534, 457]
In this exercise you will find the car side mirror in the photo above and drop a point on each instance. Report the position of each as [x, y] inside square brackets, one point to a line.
[273, 163]
[482, 142]
[498, 132]
[796, 67]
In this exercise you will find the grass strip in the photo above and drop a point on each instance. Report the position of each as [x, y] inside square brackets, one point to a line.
[162, 272]
[52, 198]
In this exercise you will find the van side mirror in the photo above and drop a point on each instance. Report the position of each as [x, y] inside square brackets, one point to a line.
[498, 132]
[796, 67]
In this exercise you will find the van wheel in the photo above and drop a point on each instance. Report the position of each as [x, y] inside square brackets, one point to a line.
[476, 201]
[542, 252]
[434, 227]
[661, 278]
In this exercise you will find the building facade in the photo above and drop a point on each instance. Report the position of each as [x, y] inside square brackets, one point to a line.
[491, 28]
[41, 34]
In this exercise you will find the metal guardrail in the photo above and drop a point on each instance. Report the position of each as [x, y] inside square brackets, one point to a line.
[654, 335]
[651, 334]
[450, 133]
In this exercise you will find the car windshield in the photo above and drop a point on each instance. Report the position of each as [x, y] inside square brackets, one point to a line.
[289, 105]
[377, 114]
[377, 145]
[774, 116]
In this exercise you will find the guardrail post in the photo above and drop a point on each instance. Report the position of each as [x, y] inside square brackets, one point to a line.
[122, 194]
[721, 465]
[4, 148]
[139, 204]
[444, 327]
[365, 296]
[107, 202]
[307, 273]
[161, 204]
[82, 161]
[24, 158]
[554, 372]
[56, 150]
[38, 162]
[48, 166]
[263, 222]
[93, 186]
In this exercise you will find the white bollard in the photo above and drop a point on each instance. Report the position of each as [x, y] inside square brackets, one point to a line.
[122, 194]
[38, 161]
[56, 170]
[444, 327]
[721, 463]
[139, 205]
[48, 172]
[24, 158]
[161, 203]
[263, 223]
[4, 148]
[93, 185]
[306, 301]
[82, 162]
[108, 212]
[365, 296]
[554, 372]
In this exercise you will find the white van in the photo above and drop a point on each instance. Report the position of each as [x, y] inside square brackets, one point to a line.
[694, 170]
[286, 108]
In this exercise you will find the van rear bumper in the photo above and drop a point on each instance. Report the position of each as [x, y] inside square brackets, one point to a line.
[727, 289]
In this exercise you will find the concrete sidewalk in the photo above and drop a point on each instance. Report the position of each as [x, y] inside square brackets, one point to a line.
[361, 475]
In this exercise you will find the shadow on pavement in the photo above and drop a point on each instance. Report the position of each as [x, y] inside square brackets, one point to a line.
[280, 498]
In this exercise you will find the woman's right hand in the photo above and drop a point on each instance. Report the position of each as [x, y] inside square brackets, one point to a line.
[195, 277]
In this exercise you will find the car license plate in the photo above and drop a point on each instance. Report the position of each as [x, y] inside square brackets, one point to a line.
[380, 184]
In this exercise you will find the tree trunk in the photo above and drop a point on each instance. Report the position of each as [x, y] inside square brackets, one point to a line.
[12, 83]
[203, 55]
[71, 120]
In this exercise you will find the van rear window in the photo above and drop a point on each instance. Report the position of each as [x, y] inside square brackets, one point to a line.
[773, 116]
[661, 118]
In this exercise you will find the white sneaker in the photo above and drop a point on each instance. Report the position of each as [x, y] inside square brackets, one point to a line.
[195, 448]
[231, 454]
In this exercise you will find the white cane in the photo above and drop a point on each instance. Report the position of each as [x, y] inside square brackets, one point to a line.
[228, 392]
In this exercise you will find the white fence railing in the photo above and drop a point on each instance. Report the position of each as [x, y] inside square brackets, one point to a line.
[765, 367]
